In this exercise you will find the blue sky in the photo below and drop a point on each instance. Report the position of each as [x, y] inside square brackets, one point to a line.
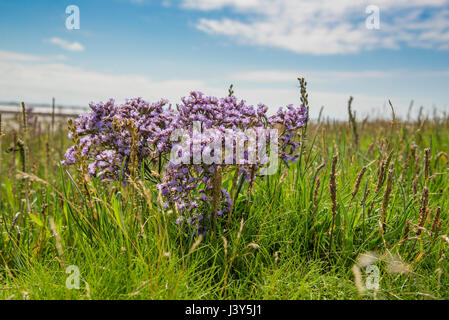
[166, 48]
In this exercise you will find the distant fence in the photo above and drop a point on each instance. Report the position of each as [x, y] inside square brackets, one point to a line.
[44, 111]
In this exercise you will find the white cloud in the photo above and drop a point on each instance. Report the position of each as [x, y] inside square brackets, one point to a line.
[328, 26]
[34, 79]
[166, 3]
[310, 75]
[219, 4]
[66, 45]
[272, 76]
[39, 81]
[13, 56]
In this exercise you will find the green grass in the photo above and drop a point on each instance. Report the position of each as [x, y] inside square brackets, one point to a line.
[277, 245]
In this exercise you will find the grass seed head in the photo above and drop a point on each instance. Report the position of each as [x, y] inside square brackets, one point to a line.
[436, 221]
[386, 198]
[427, 163]
[333, 184]
[358, 181]
[423, 209]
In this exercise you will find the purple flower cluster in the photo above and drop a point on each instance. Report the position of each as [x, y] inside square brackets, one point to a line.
[188, 187]
[290, 120]
[106, 142]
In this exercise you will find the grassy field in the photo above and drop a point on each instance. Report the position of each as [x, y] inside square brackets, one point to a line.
[363, 193]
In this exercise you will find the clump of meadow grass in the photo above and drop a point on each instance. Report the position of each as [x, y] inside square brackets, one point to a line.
[303, 232]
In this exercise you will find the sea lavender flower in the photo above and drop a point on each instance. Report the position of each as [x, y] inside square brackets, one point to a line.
[181, 181]
[106, 142]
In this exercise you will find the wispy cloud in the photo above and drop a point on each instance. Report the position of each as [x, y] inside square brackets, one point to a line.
[328, 26]
[21, 57]
[39, 80]
[166, 3]
[272, 76]
[14, 56]
[35, 79]
[66, 45]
